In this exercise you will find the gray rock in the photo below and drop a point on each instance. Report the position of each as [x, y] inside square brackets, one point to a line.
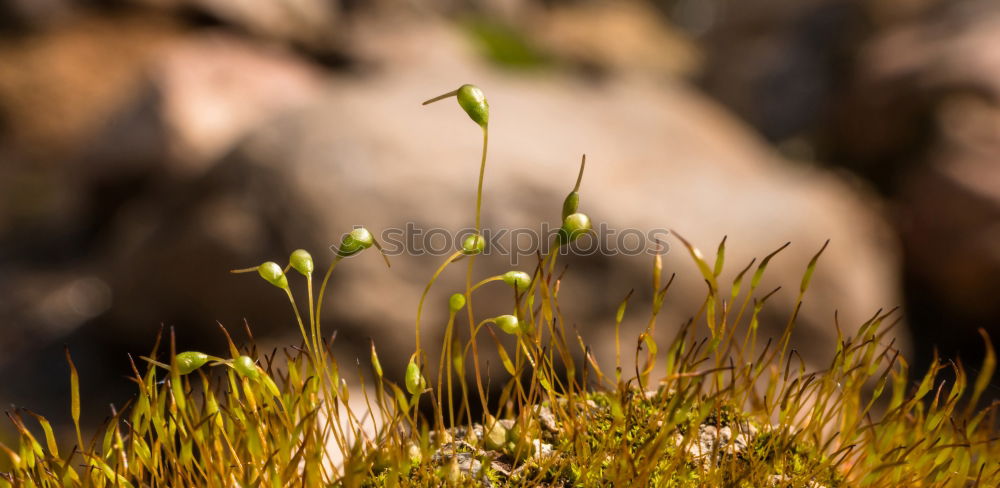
[541, 449]
[546, 419]
[712, 444]
[466, 462]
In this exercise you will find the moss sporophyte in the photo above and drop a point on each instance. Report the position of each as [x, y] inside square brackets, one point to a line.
[713, 406]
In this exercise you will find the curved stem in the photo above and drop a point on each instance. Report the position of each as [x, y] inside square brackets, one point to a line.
[538, 277]
[579, 177]
[302, 327]
[312, 309]
[322, 290]
[552, 262]
[328, 385]
[540, 270]
[487, 280]
[482, 173]
[427, 289]
[441, 97]
[444, 370]
[475, 331]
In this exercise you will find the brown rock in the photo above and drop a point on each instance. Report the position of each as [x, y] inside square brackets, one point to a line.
[619, 38]
[305, 22]
[202, 94]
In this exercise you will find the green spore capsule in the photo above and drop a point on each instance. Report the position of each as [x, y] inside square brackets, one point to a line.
[574, 226]
[508, 323]
[273, 274]
[244, 365]
[189, 361]
[415, 382]
[356, 241]
[472, 100]
[473, 244]
[571, 204]
[518, 279]
[456, 302]
[572, 201]
[302, 261]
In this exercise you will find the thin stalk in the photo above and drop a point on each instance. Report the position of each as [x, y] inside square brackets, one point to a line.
[444, 369]
[482, 173]
[468, 274]
[579, 176]
[485, 281]
[302, 327]
[329, 387]
[536, 278]
[322, 290]
[313, 329]
[441, 97]
[427, 289]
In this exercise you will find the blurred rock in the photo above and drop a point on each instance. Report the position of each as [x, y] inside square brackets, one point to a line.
[22, 14]
[200, 96]
[777, 63]
[783, 65]
[951, 224]
[889, 118]
[85, 242]
[616, 38]
[368, 154]
[59, 86]
[310, 23]
[202, 93]
[923, 120]
[292, 165]
[48, 305]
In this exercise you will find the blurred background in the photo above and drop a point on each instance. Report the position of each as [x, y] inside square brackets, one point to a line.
[149, 146]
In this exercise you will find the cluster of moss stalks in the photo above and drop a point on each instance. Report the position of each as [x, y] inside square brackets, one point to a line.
[717, 406]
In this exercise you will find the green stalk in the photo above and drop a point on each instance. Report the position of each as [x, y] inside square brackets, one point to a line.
[468, 274]
[444, 369]
[427, 289]
[322, 290]
[302, 327]
[313, 329]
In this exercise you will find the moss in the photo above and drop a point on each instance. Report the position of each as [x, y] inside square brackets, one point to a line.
[274, 420]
